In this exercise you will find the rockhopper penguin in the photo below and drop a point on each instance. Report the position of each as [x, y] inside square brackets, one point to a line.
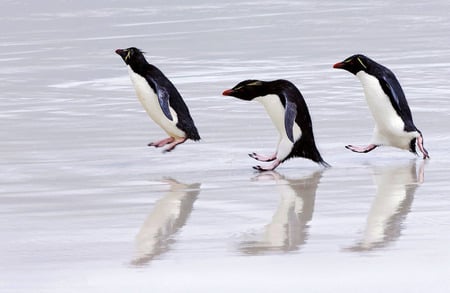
[286, 107]
[160, 99]
[394, 124]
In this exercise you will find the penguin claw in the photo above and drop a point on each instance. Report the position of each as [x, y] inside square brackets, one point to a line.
[422, 148]
[270, 168]
[161, 143]
[258, 168]
[358, 149]
[262, 158]
[261, 169]
[173, 144]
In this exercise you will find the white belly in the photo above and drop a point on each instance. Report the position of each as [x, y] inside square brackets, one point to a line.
[276, 111]
[149, 101]
[389, 127]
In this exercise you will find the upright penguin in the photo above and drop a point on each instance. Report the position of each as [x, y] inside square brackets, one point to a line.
[394, 124]
[160, 99]
[289, 113]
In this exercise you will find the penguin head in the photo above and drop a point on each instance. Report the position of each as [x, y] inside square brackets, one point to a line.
[247, 90]
[131, 55]
[354, 64]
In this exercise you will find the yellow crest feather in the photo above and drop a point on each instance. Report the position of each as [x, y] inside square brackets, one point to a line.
[128, 55]
[365, 67]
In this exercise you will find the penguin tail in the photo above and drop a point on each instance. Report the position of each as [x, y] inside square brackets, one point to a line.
[195, 137]
[305, 147]
[412, 146]
[192, 132]
[187, 125]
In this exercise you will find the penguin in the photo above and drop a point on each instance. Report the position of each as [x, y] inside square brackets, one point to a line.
[160, 99]
[289, 113]
[394, 124]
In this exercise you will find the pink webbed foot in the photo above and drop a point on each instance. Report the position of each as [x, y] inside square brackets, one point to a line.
[358, 149]
[263, 158]
[422, 148]
[271, 167]
[161, 143]
[174, 144]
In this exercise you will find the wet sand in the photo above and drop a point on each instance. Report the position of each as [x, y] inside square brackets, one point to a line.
[88, 207]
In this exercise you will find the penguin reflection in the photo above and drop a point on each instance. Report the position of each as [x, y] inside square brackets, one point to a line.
[396, 186]
[167, 217]
[288, 229]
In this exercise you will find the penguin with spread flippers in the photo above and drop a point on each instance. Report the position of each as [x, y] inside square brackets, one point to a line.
[394, 124]
[160, 99]
[289, 113]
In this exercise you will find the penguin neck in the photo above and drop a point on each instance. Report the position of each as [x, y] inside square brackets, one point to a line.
[139, 66]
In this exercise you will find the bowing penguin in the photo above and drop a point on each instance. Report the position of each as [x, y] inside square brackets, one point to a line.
[394, 124]
[289, 113]
[160, 99]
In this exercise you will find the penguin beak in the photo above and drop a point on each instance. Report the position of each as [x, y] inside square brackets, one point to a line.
[120, 52]
[339, 65]
[228, 92]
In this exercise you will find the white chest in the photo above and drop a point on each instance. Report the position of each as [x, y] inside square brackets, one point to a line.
[384, 114]
[275, 110]
[149, 101]
[146, 96]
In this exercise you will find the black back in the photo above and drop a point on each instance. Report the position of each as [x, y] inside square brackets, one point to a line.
[167, 93]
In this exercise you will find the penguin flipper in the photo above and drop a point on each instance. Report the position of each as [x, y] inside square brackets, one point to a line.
[163, 99]
[393, 90]
[289, 118]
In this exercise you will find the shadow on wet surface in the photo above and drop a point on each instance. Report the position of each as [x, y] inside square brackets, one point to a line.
[168, 216]
[288, 229]
[396, 186]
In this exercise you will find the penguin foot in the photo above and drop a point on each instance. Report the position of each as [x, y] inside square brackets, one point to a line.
[358, 149]
[162, 142]
[263, 158]
[422, 148]
[174, 144]
[269, 168]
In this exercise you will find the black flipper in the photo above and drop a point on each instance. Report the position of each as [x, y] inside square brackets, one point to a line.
[391, 87]
[163, 99]
[289, 119]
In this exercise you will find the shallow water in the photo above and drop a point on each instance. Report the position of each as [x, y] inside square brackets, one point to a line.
[87, 206]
